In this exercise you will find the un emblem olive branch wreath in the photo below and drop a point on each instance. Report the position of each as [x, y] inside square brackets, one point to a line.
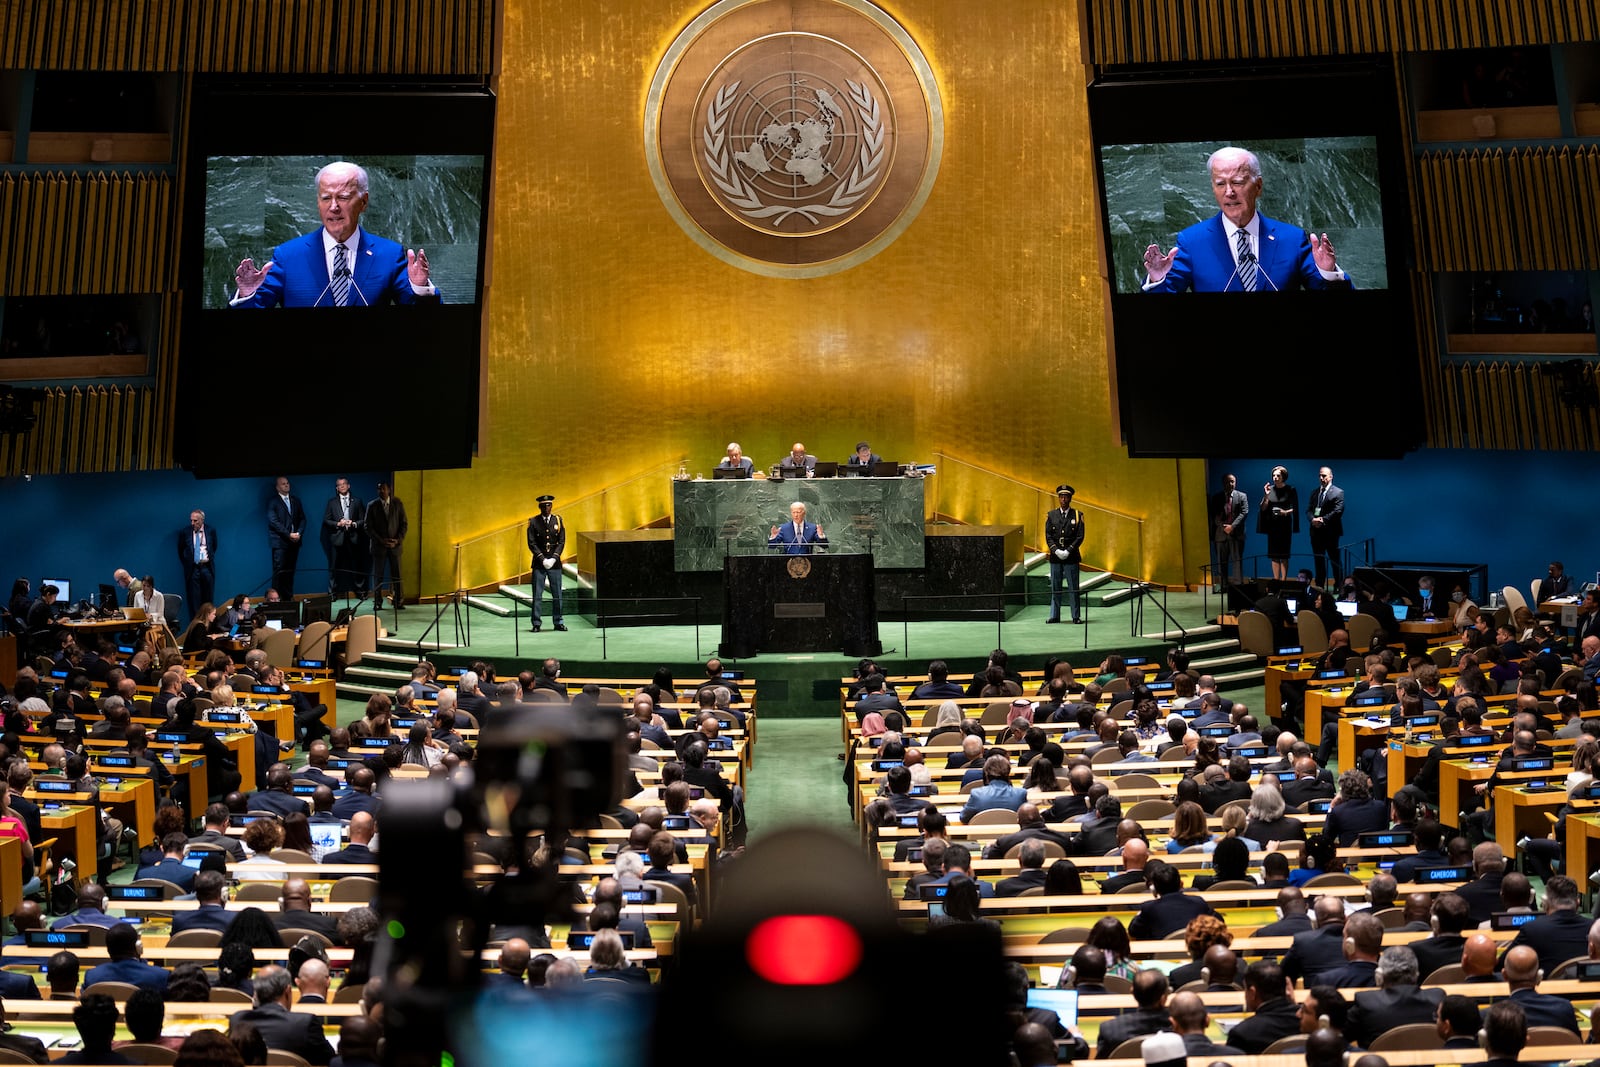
[742, 193]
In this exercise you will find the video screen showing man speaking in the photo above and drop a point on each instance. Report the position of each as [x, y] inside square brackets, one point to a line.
[1261, 216]
[310, 232]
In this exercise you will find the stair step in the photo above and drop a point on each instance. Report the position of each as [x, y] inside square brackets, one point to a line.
[378, 673]
[517, 592]
[361, 691]
[1239, 679]
[1203, 648]
[406, 660]
[493, 607]
[398, 644]
[1214, 663]
[1193, 632]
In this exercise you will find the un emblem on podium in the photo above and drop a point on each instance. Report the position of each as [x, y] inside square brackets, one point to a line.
[799, 567]
[794, 138]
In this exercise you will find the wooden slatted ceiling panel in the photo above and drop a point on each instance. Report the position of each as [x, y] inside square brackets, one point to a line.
[1520, 406]
[1151, 31]
[97, 429]
[302, 36]
[66, 234]
[1469, 220]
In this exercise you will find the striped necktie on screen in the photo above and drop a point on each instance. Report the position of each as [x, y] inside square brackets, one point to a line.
[1247, 262]
[341, 277]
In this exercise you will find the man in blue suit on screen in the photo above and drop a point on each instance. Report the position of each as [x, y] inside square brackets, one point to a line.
[1239, 249]
[796, 536]
[340, 265]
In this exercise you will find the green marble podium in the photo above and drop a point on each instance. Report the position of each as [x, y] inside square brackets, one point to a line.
[882, 517]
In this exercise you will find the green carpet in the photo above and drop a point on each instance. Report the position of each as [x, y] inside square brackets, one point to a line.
[797, 779]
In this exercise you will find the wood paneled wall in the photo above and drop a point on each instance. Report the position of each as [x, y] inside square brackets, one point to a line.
[1509, 209]
[446, 37]
[1169, 31]
[66, 233]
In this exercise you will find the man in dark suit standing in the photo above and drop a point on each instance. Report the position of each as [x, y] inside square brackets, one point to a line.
[1327, 526]
[1229, 511]
[297, 1032]
[343, 519]
[197, 551]
[547, 540]
[286, 525]
[386, 533]
[1400, 1001]
[1063, 536]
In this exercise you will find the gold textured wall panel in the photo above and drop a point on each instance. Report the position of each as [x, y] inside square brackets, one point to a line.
[66, 233]
[615, 344]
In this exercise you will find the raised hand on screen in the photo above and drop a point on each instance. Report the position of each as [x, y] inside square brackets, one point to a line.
[417, 267]
[248, 277]
[773, 534]
[820, 535]
[1157, 263]
[1322, 251]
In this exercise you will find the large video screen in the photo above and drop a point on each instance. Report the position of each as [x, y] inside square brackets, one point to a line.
[1256, 228]
[334, 275]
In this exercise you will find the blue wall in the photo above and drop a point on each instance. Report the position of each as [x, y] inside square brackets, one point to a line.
[82, 527]
[1514, 511]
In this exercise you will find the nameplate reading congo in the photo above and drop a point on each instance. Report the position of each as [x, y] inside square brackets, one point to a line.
[800, 611]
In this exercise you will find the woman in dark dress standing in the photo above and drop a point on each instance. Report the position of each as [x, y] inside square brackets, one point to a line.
[1279, 518]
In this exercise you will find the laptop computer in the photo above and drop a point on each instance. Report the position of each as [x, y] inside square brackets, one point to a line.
[723, 473]
[134, 614]
[886, 468]
[825, 469]
[1347, 608]
[1064, 1002]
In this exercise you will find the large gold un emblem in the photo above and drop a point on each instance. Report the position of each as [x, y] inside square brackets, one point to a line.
[799, 567]
[794, 138]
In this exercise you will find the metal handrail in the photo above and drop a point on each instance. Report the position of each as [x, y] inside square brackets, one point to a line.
[1076, 500]
[575, 501]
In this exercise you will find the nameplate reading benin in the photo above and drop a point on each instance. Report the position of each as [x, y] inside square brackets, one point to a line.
[800, 611]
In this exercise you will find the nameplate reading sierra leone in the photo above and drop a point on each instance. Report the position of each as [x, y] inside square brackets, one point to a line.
[793, 138]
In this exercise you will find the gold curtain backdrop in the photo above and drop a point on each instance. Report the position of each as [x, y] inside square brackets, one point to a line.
[615, 344]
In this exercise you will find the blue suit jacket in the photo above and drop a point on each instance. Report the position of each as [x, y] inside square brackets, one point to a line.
[793, 546]
[299, 275]
[1204, 261]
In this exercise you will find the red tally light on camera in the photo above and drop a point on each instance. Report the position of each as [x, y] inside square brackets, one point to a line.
[803, 949]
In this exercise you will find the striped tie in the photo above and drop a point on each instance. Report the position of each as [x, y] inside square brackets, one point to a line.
[341, 277]
[1247, 262]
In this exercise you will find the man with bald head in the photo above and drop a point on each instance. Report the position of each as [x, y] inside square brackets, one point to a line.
[362, 828]
[1187, 1013]
[1135, 854]
[1523, 975]
[1479, 958]
[295, 912]
[297, 1032]
[971, 753]
[1220, 967]
[1076, 803]
[1320, 949]
[1482, 894]
[1293, 920]
[513, 964]
[1030, 827]
[1308, 784]
[91, 910]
